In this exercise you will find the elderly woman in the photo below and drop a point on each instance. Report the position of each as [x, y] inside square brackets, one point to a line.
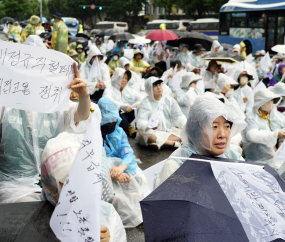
[188, 93]
[260, 139]
[159, 118]
[125, 98]
[211, 76]
[95, 84]
[208, 131]
[137, 64]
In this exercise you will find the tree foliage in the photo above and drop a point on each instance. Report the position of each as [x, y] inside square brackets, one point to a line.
[167, 4]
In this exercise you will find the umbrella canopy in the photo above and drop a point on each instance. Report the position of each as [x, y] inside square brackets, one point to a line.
[227, 46]
[224, 57]
[78, 40]
[191, 206]
[123, 36]
[7, 19]
[85, 36]
[107, 32]
[193, 38]
[161, 35]
[139, 41]
[95, 31]
[46, 35]
[144, 32]
[279, 48]
[3, 36]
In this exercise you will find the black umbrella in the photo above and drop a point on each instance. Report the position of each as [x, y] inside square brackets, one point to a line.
[3, 36]
[226, 46]
[95, 31]
[85, 36]
[7, 19]
[78, 40]
[224, 57]
[193, 38]
[123, 36]
[107, 32]
[191, 206]
[46, 35]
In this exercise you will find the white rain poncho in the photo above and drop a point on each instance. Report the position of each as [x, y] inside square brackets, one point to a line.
[85, 68]
[57, 159]
[135, 77]
[195, 60]
[259, 140]
[221, 82]
[203, 112]
[34, 40]
[183, 57]
[242, 92]
[216, 44]
[186, 96]
[171, 120]
[24, 135]
[125, 98]
[104, 47]
[277, 119]
[210, 79]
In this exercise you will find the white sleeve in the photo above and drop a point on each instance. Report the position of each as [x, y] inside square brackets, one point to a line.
[265, 137]
[110, 94]
[106, 77]
[91, 87]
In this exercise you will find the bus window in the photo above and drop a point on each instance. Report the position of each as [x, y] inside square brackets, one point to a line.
[280, 31]
[185, 24]
[70, 24]
[174, 25]
[195, 26]
[238, 20]
[121, 25]
[203, 26]
[256, 19]
[225, 19]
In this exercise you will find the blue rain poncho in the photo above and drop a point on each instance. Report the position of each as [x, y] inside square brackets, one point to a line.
[195, 60]
[119, 47]
[171, 120]
[203, 112]
[186, 96]
[125, 98]
[260, 139]
[116, 144]
[85, 68]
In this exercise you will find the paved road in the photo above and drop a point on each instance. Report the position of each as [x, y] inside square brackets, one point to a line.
[25, 222]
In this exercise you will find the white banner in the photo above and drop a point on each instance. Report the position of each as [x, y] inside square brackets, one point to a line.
[153, 121]
[256, 198]
[77, 214]
[33, 78]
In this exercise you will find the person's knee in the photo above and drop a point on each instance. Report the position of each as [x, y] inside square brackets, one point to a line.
[152, 138]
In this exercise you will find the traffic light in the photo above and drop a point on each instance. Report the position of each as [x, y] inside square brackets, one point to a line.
[100, 8]
[84, 7]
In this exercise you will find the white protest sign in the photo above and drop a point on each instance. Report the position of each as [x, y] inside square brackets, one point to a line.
[249, 58]
[175, 81]
[201, 85]
[259, 86]
[280, 154]
[34, 78]
[76, 216]
[129, 53]
[155, 116]
[256, 198]
[265, 62]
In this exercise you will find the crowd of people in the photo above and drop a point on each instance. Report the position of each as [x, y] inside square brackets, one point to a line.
[163, 97]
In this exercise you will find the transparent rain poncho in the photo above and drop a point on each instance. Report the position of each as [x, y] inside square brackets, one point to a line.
[119, 151]
[197, 133]
[186, 96]
[171, 118]
[34, 40]
[57, 159]
[125, 98]
[85, 68]
[242, 92]
[259, 140]
[183, 57]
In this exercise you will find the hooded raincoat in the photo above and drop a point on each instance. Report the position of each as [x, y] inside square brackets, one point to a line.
[195, 60]
[171, 120]
[242, 45]
[86, 67]
[120, 48]
[203, 112]
[104, 47]
[60, 36]
[186, 96]
[210, 79]
[125, 98]
[183, 57]
[81, 56]
[260, 139]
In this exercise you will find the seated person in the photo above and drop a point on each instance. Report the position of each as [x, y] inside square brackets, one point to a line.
[257, 58]
[281, 71]
[208, 131]
[125, 98]
[161, 108]
[183, 56]
[260, 140]
[137, 64]
[242, 94]
[114, 63]
[95, 84]
[73, 54]
[211, 76]
[236, 49]
[81, 54]
[188, 93]
[57, 159]
[194, 58]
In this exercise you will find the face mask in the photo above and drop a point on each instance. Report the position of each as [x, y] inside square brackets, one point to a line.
[267, 107]
[115, 57]
[108, 128]
[243, 80]
[230, 93]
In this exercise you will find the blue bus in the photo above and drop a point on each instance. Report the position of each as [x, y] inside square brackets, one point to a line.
[71, 23]
[259, 24]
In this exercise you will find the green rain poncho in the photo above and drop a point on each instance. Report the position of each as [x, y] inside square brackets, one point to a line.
[60, 37]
